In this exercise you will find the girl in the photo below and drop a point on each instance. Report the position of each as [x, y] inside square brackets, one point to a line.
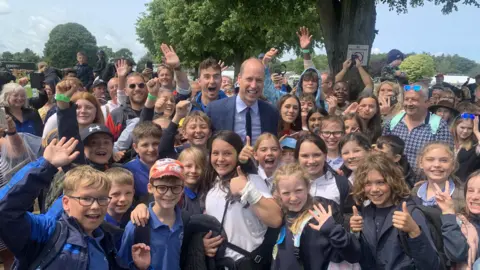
[467, 150]
[390, 98]
[314, 118]
[239, 200]
[194, 162]
[290, 117]
[14, 99]
[437, 161]
[393, 146]
[331, 131]
[307, 103]
[327, 238]
[370, 117]
[353, 149]
[351, 122]
[386, 216]
[311, 154]
[267, 152]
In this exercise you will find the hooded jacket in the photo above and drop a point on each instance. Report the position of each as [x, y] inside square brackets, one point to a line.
[318, 100]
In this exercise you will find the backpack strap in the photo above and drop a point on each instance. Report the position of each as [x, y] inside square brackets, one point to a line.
[434, 122]
[396, 119]
[52, 248]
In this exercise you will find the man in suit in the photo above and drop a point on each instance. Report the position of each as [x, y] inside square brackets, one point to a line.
[244, 113]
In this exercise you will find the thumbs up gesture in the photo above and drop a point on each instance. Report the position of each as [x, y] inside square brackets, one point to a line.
[403, 221]
[247, 152]
[237, 184]
[356, 221]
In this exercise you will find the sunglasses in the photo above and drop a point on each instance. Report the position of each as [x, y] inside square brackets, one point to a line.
[467, 116]
[140, 85]
[415, 88]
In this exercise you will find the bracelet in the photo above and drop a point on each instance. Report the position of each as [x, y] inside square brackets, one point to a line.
[11, 133]
[306, 50]
[250, 194]
[62, 97]
[151, 97]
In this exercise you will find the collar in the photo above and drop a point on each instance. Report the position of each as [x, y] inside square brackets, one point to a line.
[155, 223]
[111, 220]
[97, 235]
[241, 106]
[426, 121]
[190, 193]
[422, 192]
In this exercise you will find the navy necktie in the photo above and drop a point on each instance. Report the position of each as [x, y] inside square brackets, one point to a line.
[248, 123]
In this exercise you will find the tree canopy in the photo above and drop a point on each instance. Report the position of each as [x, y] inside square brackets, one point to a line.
[65, 40]
[26, 55]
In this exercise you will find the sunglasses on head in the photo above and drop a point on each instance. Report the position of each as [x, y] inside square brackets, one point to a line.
[415, 88]
[467, 116]
[140, 85]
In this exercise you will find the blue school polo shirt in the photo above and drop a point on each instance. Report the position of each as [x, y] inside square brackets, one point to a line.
[165, 242]
[140, 173]
[96, 254]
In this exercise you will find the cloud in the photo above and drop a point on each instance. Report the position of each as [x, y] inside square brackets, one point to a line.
[376, 51]
[4, 7]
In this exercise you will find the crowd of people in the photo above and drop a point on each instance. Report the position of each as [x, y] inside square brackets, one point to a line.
[153, 171]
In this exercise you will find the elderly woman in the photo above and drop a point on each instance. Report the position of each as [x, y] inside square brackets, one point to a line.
[14, 99]
[390, 98]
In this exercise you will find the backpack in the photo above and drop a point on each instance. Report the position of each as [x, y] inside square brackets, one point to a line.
[434, 121]
[51, 249]
[142, 234]
[433, 218]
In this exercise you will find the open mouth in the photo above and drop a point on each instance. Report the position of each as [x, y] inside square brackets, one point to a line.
[270, 161]
[93, 217]
[212, 89]
[101, 153]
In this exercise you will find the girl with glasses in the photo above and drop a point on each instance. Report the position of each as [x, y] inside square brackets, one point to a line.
[331, 131]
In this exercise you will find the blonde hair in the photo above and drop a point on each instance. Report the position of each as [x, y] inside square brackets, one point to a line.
[470, 141]
[396, 90]
[85, 176]
[297, 170]
[391, 172]
[11, 88]
[198, 156]
[433, 145]
[263, 137]
[120, 176]
[99, 119]
[196, 115]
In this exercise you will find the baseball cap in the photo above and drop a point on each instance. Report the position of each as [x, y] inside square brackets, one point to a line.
[94, 129]
[288, 143]
[167, 167]
[98, 82]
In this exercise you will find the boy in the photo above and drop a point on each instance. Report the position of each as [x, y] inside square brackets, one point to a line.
[146, 138]
[121, 194]
[77, 238]
[165, 221]
[288, 149]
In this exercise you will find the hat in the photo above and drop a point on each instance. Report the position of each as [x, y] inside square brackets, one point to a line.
[98, 82]
[394, 55]
[439, 75]
[444, 104]
[94, 129]
[288, 143]
[167, 167]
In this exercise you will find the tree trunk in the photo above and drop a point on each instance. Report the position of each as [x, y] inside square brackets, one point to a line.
[237, 62]
[345, 22]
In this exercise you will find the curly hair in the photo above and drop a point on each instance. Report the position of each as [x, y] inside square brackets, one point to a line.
[391, 173]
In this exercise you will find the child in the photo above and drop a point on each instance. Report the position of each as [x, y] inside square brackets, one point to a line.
[466, 135]
[437, 161]
[146, 138]
[370, 118]
[331, 131]
[351, 122]
[445, 110]
[194, 162]
[307, 104]
[121, 194]
[298, 245]
[288, 150]
[314, 119]
[393, 146]
[388, 217]
[353, 148]
[36, 239]
[165, 223]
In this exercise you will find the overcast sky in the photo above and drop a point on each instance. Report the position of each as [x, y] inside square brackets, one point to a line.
[26, 24]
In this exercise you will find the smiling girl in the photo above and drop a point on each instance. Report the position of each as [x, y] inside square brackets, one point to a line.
[467, 150]
[267, 152]
[314, 119]
[368, 111]
[322, 235]
[353, 148]
[194, 162]
[290, 118]
[331, 131]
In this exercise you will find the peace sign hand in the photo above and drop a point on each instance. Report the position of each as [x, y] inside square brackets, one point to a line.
[304, 37]
[320, 215]
[171, 57]
[443, 199]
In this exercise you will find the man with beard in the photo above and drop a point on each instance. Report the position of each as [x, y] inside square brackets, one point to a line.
[244, 113]
[136, 91]
[210, 80]
[416, 126]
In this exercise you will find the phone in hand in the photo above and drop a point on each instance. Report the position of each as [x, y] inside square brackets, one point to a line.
[37, 80]
[149, 65]
[393, 101]
[353, 59]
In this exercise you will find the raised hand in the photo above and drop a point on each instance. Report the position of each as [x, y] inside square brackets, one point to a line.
[66, 87]
[171, 57]
[247, 152]
[118, 156]
[237, 184]
[222, 66]
[403, 221]
[269, 56]
[320, 215]
[59, 153]
[141, 256]
[210, 244]
[385, 105]
[358, 63]
[347, 64]
[304, 37]
[332, 104]
[122, 68]
[153, 86]
[356, 221]
[182, 108]
[443, 199]
[351, 109]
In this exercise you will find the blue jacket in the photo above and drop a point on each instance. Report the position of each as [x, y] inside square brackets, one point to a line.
[26, 234]
[198, 100]
[222, 114]
[387, 252]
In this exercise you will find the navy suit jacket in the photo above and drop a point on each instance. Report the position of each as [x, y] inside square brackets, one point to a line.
[222, 114]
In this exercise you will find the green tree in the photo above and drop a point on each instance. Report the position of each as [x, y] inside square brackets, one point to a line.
[123, 53]
[30, 56]
[65, 40]
[418, 66]
[7, 56]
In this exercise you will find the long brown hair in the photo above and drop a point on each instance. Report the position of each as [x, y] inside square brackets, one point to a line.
[470, 141]
[99, 119]
[297, 123]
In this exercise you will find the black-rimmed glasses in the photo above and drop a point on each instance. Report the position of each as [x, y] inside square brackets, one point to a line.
[88, 201]
[162, 189]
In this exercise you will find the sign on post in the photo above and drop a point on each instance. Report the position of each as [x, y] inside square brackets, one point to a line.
[361, 51]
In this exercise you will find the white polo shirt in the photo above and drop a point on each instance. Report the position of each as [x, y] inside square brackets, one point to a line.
[242, 226]
[325, 186]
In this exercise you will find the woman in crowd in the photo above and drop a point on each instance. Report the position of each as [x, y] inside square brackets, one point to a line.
[314, 119]
[390, 98]
[370, 117]
[466, 135]
[290, 118]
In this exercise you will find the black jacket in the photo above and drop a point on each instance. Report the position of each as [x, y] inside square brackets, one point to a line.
[468, 162]
[85, 74]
